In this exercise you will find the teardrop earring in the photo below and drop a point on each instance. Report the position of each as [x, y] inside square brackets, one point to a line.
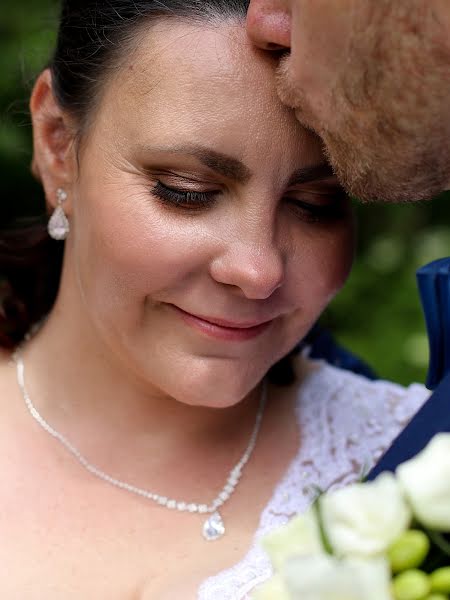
[58, 226]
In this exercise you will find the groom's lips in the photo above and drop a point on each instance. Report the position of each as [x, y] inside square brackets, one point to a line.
[222, 328]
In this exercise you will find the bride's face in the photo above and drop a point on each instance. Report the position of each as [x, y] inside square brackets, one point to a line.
[207, 231]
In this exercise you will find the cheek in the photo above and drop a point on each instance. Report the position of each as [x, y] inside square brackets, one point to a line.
[338, 260]
[126, 248]
[323, 266]
[319, 266]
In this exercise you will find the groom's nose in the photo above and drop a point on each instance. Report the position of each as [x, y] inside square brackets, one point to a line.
[269, 24]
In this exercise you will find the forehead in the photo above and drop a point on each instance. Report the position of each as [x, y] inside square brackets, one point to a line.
[189, 83]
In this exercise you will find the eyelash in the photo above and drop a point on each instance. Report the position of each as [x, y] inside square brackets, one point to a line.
[182, 198]
[191, 200]
[318, 213]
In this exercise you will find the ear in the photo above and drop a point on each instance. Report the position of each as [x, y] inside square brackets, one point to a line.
[54, 160]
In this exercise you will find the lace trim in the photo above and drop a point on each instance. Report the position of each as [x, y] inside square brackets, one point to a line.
[346, 422]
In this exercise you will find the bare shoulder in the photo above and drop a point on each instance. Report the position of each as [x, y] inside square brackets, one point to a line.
[5, 356]
[6, 365]
[9, 391]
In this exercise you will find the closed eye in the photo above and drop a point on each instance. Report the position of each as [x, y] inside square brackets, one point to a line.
[189, 199]
[323, 207]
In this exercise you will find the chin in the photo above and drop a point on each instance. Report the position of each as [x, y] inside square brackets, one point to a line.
[223, 395]
[216, 386]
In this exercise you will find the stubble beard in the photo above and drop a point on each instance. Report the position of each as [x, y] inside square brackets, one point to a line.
[386, 127]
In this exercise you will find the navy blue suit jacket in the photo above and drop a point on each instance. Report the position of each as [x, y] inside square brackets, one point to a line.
[434, 416]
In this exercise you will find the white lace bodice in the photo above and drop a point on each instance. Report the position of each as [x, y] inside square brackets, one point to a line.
[346, 423]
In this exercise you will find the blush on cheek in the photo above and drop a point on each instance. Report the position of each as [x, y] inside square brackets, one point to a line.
[331, 273]
[111, 256]
[340, 274]
[132, 250]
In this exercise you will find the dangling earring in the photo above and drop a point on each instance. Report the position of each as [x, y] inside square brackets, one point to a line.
[58, 226]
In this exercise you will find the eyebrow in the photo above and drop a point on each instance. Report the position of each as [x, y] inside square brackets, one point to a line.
[233, 168]
[312, 173]
[221, 163]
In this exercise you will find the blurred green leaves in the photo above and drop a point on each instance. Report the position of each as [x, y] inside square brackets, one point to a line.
[27, 33]
[377, 315]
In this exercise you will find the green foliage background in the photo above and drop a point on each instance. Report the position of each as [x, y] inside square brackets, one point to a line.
[377, 315]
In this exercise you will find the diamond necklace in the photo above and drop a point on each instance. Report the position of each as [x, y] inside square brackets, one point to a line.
[213, 527]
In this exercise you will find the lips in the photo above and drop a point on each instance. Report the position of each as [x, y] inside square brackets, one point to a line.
[222, 328]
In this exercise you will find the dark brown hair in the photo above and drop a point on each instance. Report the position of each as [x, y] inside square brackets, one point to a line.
[92, 38]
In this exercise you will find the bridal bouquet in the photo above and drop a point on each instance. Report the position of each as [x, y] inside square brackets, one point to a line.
[381, 540]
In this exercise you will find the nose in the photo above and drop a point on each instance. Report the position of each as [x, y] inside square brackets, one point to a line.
[269, 24]
[255, 269]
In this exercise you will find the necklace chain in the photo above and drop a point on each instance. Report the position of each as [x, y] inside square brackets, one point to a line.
[192, 507]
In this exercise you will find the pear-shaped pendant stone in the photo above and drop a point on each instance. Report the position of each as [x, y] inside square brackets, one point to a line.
[58, 225]
[213, 527]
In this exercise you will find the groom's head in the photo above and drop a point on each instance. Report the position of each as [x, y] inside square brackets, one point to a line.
[373, 80]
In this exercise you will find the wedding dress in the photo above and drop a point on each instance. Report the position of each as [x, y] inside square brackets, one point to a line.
[346, 423]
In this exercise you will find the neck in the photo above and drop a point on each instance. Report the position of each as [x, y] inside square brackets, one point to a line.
[83, 391]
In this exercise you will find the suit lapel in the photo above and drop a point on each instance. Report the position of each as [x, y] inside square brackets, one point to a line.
[433, 417]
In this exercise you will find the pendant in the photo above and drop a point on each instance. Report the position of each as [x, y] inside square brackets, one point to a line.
[58, 225]
[213, 527]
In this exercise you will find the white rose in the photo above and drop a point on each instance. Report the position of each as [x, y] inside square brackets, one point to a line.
[364, 519]
[324, 577]
[426, 483]
[299, 537]
[274, 589]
